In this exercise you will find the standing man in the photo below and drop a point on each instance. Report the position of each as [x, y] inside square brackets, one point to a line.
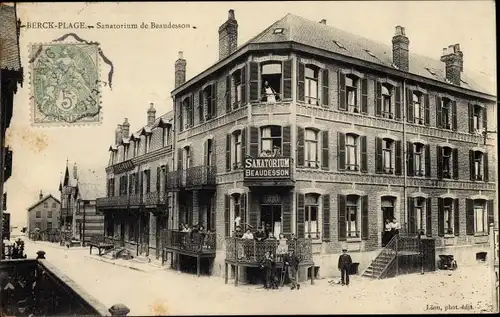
[291, 265]
[345, 262]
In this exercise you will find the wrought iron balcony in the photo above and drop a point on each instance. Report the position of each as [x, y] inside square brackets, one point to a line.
[200, 176]
[188, 242]
[135, 200]
[112, 201]
[154, 198]
[173, 180]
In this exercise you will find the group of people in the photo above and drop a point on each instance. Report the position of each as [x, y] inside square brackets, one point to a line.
[195, 231]
[391, 228]
[276, 152]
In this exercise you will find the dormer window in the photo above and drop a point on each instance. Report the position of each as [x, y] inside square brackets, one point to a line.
[271, 82]
[352, 93]
[278, 31]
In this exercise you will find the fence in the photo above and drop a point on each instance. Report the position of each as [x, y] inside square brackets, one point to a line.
[253, 251]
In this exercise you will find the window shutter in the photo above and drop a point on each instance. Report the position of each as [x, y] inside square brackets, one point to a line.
[491, 213]
[158, 179]
[409, 103]
[471, 165]
[228, 152]
[428, 217]
[300, 147]
[412, 224]
[378, 155]
[200, 105]
[300, 82]
[469, 216]
[243, 209]
[214, 99]
[228, 93]
[179, 159]
[137, 182]
[439, 120]
[454, 115]
[254, 81]
[287, 79]
[364, 95]
[191, 107]
[205, 152]
[399, 161]
[300, 215]
[456, 217]
[439, 156]
[342, 91]
[427, 160]
[455, 163]
[485, 167]
[342, 225]
[253, 213]
[287, 214]
[287, 151]
[471, 118]
[325, 154]
[227, 220]
[141, 183]
[364, 217]
[440, 217]
[378, 99]
[243, 145]
[213, 214]
[364, 154]
[243, 86]
[326, 218]
[485, 118]
[427, 112]
[409, 151]
[254, 142]
[213, 157]
[341, 151]
[398, 103]
[325, 98]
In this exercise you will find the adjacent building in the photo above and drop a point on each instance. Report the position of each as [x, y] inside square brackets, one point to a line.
[44, 214]
[325, 134]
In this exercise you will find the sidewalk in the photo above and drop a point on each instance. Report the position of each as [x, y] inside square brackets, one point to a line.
[131, 264]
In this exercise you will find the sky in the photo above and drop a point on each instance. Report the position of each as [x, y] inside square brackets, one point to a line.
[144, 64]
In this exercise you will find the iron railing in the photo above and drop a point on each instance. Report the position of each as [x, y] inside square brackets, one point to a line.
[188, 241]
[173, 179]
[194, 176]
[112, 201]
[153, 198]
[253, 251]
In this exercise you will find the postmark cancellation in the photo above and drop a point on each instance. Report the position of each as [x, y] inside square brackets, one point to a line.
[65, 84]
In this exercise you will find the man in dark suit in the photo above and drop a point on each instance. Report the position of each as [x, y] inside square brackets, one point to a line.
[345, 262]
[291, 265]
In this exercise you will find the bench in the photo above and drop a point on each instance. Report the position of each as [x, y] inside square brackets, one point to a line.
[99, 243]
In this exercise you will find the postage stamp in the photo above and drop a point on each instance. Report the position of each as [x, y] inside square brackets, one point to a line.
[65, 84]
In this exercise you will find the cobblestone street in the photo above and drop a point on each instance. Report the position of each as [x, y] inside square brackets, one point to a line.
[159, 292]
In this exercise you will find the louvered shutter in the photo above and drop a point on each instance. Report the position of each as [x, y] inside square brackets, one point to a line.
[364, 218]
[243, 208]
[342, 91]
[341, 151]
[378, 99]
[325, 153]
[342, 224]
[427, 113]
[364, 154]
[471, 118]
[398, 158]
[228, 94]
[439, 108]
[398, 103]
[485, 167]
[439, 157]
[326, 218]
[254, 81]
[254, 142]
[427, 160]
[454, 115]
[410, 105]
[456, 217]
[412, 224]
[300, 215]
[300, 82]
[485, 118]
[428, 217]
[243, 145]
[364, 95]
[455, 163]
[409, 151]
[244, 85]
[440, 217]
[287, 213]
[300, 146]
[227, 215]
[287, 79]
[491, 213]
[228, 152]
[325, 98]
[378, 155]
[287, 151]
[469, 216]
[471, 166]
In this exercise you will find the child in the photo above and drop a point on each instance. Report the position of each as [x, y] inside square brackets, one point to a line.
[266, 265]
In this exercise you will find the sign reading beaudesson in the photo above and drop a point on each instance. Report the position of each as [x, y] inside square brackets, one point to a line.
[267, 167]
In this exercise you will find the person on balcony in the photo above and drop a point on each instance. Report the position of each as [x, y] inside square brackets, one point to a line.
[345, 262]
[248, 235]
[276, 151]
[282, 248]
[268, 93]
[237, 233]
[260, 235]
[291, 265]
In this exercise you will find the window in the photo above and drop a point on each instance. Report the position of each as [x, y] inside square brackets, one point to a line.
[447, 157]
[49, 214]
[386, 101]
[38, 225]
[419, 213]
[131, 231]
[237, 89]
[147, 180]
[311, 85]
[187, 105]
[352, 152]
[448, 215]
[418, 111]
[446, 113]
[419, 159]
[53, 205]
[209, 152]
[387, 145]
[186, 158]
[208, 97]
[271, 79]
[236, 210]
[480, 217]
[38, 214]
[352, 216]
[477, 118]
[271, 141]
[278, 31]
[236, 154]
[311, 148]
[45, 205]
[312, 225]
[49, 225]
[351, 84]
[478, 165]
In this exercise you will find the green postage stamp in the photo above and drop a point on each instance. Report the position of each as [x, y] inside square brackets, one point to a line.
[65, 84]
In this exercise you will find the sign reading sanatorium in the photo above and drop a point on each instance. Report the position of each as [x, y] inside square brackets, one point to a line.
[267, 167]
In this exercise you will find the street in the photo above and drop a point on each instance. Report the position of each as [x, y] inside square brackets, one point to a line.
[168, 292]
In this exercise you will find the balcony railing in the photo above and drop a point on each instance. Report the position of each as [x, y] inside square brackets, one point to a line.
[188, 241]
[253, 251]
[202, 175]
[134, 200]
[154, 198]
[36, 288]
[112, 201]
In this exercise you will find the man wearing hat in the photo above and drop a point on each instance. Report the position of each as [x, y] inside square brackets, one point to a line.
[345, 262]
[291, 265]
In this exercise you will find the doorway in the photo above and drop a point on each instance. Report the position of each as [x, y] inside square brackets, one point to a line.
[270, 215]
[387, 205]
[161, 224]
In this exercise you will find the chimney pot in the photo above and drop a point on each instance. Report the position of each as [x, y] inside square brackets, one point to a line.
[180, 70]
[181, 55]
[125, 128]
[445, 51]
[453, 59]
[457, 48]
[400, 30]
[40, 195]
[230, 14]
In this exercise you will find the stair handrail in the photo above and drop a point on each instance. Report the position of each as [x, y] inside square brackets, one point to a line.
[391, 245]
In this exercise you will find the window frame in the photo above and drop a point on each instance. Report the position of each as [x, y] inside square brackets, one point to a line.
[236, 138]
[270, 138]
[448, 209]
[447, 158]
[278, 92]
[420, 207]
[483, 207]
[38, 214]
[307, 84]
[354, 87]
[420, 119]
[349, 204]
[308, 206]
[387, 101]
[478, 165]
[307, 144]
[388, 149]
[236, 93]
[356, 148]
[446, 108]
[419, 151]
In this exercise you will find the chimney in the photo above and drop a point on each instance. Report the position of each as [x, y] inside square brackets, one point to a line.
[323, 21]
[228, 36]
[400, 53]
[75, 171]
[453, 60]
[118, 134]
[180, 70]
[125, 128]
[151, 114]
[40, 195]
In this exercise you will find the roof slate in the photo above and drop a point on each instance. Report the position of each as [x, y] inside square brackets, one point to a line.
[9, 54]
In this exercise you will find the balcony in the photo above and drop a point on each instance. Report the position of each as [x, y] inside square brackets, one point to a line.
[188, 242]
[194, 178]
[154, 198]
[134, 200]
[33, 287]
[268, 171]
[112, 202]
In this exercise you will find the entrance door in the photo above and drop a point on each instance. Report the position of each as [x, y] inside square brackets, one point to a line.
[144, 237]
[387, 214]
[161, 224]
[270, 215]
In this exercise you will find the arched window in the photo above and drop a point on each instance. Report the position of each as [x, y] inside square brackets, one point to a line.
[418, 111]
[387, 101]
[353, 216]
[387, 155]
[271, 141]
[312, 219]
[311, 84]
[352, 153]
[351, 85]
[311, 148]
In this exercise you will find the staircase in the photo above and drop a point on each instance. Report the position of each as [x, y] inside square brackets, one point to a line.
[379, 267]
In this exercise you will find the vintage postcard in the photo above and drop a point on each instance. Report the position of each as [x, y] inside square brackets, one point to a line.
[248, 158]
